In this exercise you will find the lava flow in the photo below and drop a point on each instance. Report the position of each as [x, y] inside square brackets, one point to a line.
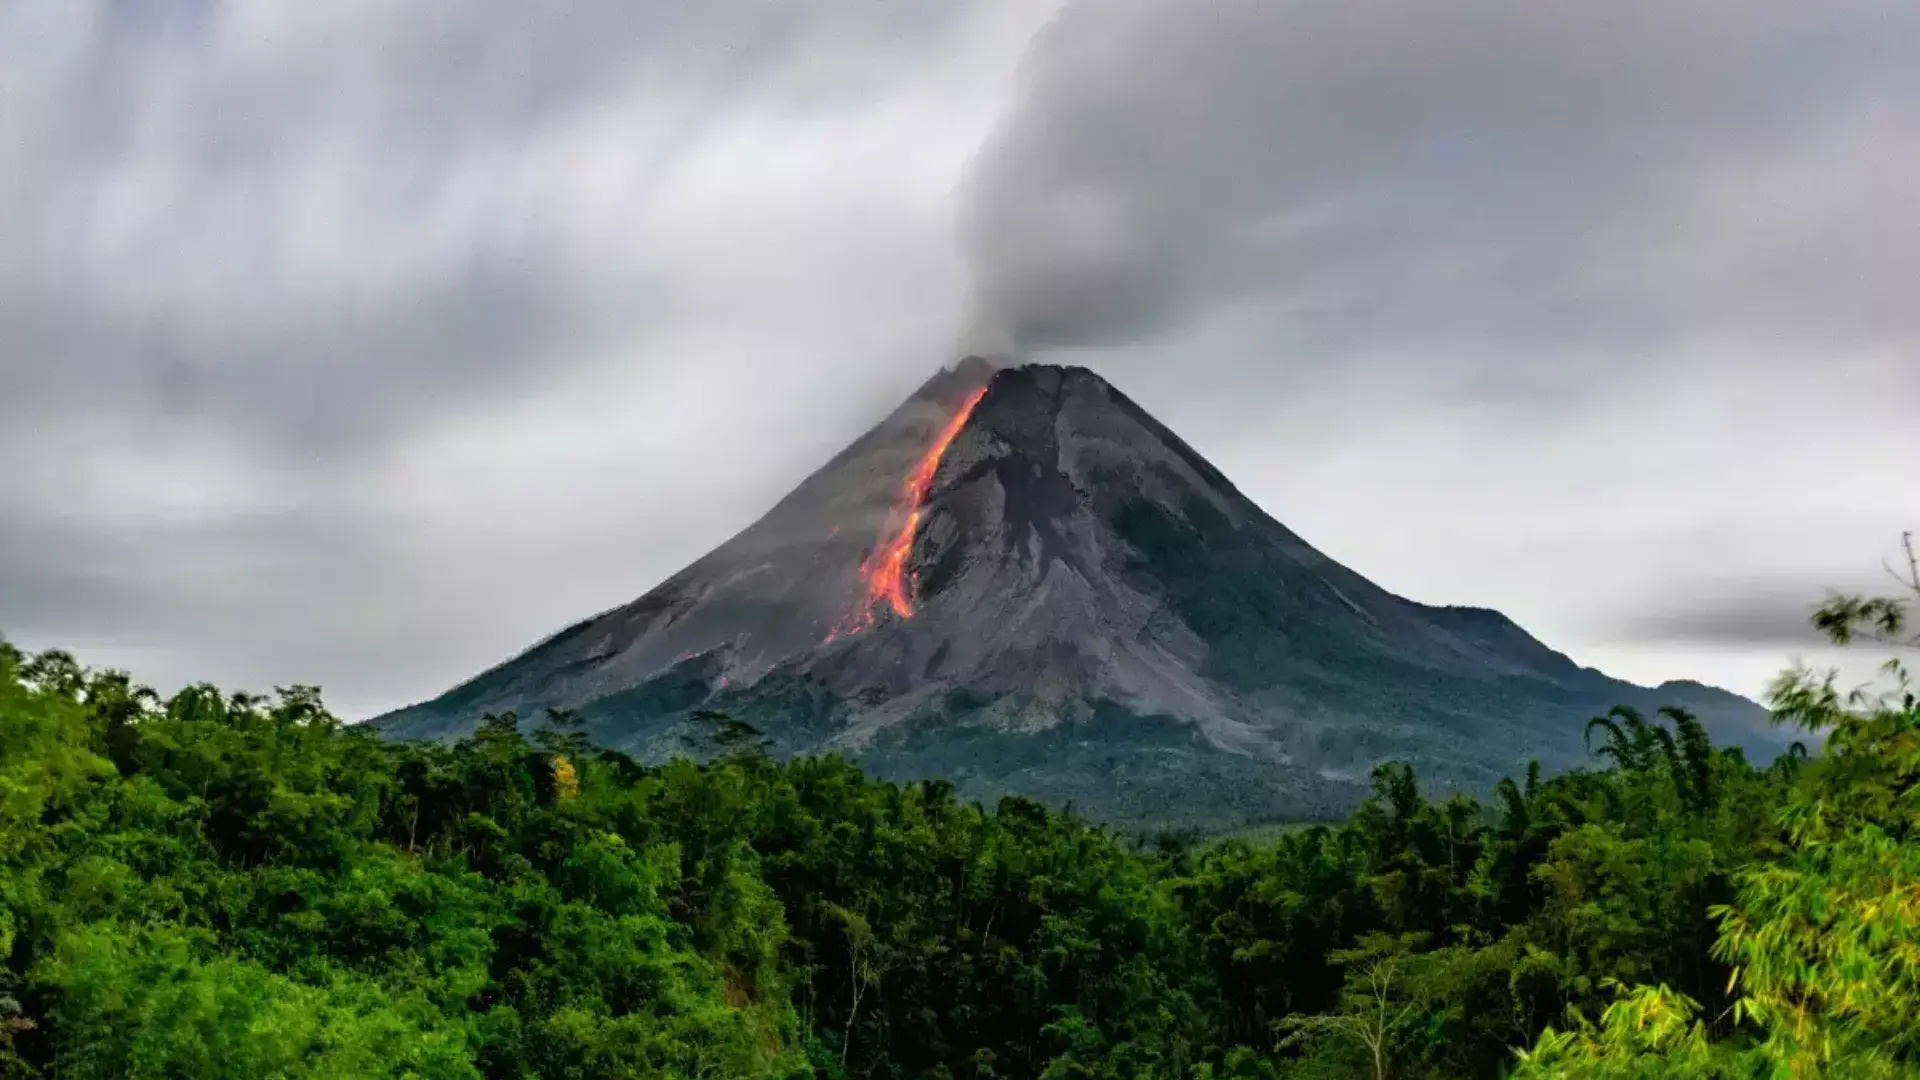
[885, 571]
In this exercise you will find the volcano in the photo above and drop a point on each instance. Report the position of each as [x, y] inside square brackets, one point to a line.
[1023, 583]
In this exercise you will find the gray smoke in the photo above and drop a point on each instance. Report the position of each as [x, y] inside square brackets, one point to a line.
[1475, 174]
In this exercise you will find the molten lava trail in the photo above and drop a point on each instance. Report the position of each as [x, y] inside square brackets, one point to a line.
[885, 571]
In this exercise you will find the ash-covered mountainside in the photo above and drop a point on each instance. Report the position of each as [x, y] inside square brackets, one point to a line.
[1021, 581]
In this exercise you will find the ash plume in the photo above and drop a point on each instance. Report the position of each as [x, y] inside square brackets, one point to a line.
[1474, 175]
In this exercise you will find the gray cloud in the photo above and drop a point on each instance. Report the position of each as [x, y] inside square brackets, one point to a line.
[1774, 611]
[313, 222]
[362, 343]
[1761, 623]
[1480, 177]
[1765, 615]
[1597, 313]
[255, 259]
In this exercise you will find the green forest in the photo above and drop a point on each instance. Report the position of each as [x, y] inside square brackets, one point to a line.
[224, 885]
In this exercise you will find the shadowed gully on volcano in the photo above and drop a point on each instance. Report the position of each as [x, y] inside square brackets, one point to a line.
[1022, 582]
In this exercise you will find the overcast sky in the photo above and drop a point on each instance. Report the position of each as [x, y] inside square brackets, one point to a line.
[363, 343]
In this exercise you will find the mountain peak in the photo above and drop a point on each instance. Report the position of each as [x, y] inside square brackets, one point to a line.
[956, 380]
[976, 368]
[1021, 579]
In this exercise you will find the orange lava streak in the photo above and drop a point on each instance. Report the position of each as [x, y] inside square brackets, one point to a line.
[885, 571]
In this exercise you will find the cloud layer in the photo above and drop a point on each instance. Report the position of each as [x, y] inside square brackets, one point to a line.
[364, 343]
[1681, 229]
[1475, 177]
[307, 224]
[266, 273]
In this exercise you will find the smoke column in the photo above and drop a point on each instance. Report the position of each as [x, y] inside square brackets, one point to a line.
[1455, 174]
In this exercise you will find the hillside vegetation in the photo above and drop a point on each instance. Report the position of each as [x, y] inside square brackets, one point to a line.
[220, 885]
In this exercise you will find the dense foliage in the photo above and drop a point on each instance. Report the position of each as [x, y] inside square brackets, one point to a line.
[221, 885]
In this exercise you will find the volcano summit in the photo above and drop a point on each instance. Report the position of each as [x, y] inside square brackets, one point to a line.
[1022, 582]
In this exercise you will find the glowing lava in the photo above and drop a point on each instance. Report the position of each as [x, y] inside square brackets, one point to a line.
[885, 571]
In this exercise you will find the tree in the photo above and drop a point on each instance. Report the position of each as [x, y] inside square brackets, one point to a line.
[1693, 776]
[1823, 934]
[224, 881]
[1382, 1002]
[1649, 1033]
[1634, 744]
[866, 963]
[1884, 619]
[1824, 938]
[717, 734]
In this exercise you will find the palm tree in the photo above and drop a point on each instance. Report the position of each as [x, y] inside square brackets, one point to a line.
[1634, 745]
[1694, 778]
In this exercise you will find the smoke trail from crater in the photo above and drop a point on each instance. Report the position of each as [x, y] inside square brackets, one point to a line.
[1466, 175]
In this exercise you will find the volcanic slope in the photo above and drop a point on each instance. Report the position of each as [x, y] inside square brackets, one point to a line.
[1023, 583]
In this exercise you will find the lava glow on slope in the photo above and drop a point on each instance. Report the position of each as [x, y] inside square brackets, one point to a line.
[884, 573]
